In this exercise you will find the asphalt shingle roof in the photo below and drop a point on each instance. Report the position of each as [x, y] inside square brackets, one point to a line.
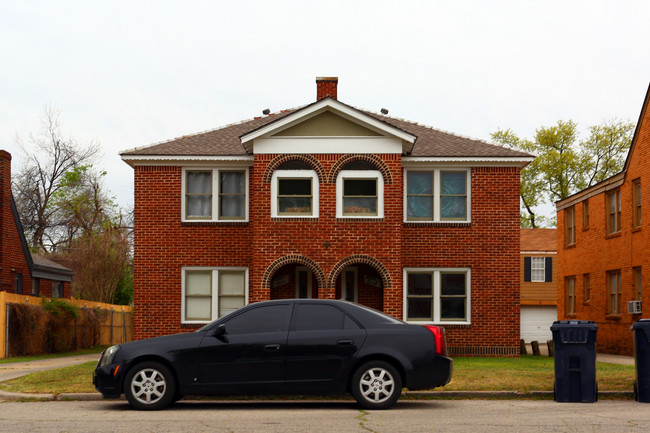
[538, 240]
[226, 141]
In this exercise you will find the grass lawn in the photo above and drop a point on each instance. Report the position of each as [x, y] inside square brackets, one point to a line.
[528, 373]
[94, 349]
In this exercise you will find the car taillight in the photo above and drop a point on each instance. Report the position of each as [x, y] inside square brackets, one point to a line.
[439, 337]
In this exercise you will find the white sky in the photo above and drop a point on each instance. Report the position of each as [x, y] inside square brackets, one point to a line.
[132, 73]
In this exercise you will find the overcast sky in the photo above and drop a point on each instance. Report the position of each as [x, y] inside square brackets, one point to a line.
[133, 73]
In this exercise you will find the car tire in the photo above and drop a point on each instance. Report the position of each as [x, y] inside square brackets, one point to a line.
[149, 386]
[376, 385]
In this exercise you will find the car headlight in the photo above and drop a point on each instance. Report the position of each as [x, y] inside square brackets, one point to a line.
[108, 355]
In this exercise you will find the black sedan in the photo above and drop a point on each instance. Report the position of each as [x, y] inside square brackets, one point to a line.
[298, 346]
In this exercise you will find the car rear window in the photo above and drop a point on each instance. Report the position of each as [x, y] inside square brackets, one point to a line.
[319, 317]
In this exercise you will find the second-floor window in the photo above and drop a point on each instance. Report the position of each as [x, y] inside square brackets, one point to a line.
[215, 194]
[636, 202]
[570, 226]
[614, 212]
[360, 194]
[294, 193]
[437, 195]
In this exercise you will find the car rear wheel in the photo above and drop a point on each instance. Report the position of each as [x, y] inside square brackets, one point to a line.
[376, 385]
[149, 386]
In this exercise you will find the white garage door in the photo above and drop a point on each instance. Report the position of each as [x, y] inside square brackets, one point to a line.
[536, 322]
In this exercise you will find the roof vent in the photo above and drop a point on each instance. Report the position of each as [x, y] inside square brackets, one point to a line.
[384, 111]
[266, 111]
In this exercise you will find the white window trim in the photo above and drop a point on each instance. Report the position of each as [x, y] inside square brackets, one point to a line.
[542, 268]
[309, 276]
[436, 295]
[360, 174]
[345, 288]
[215, 290]
[436, 195]
[284, 174]
[215, 194]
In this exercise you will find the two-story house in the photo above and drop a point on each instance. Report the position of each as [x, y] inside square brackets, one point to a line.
[604, 248]
[538, 264]
[330, 201]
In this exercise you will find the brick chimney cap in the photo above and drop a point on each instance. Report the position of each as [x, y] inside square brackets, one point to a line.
[335, 79]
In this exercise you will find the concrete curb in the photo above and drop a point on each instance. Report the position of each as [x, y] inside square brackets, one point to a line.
[468, 395]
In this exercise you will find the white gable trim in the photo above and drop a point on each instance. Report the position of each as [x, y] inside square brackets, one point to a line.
[327, 104]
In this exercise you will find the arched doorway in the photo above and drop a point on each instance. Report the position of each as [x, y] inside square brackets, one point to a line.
[361, 279]
[294, 277]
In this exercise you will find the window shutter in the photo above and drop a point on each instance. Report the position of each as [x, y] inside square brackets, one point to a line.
[527, 269]
[548, 269]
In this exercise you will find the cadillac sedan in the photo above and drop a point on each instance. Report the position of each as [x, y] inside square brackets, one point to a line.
[298, 346]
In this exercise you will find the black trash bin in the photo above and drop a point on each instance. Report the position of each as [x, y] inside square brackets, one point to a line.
[575, 361]
[642, 360]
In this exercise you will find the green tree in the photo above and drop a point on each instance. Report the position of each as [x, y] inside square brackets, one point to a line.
[47, 157]
[565, 165]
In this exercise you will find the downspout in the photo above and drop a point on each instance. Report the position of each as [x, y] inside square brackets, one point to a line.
[7, 333]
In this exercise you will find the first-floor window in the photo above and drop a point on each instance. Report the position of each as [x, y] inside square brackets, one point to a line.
[570, 288]
[638, 283]
[614, 292]
[57, 289]
[437, 295]
[210, 293]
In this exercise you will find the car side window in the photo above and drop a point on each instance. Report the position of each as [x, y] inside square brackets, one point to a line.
[270, 318]
[313, 317]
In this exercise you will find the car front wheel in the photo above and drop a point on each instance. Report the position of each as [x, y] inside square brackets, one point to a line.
[376, 385]
[149, 386]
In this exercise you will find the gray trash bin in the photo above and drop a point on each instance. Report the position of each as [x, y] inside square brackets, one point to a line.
[575, 361]
[642, 360]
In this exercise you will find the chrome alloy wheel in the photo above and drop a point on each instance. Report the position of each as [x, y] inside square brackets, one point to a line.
[377, 385]
[148, 386]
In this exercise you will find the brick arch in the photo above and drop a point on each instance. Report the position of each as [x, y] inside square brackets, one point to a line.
[279, 160]
[372, 159]
[290, 260]
[360, 259]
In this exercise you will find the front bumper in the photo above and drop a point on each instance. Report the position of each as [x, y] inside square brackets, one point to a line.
[106, 381]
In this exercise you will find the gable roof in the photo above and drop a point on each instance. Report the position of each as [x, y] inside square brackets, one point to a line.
[227, 140]
[538, 240]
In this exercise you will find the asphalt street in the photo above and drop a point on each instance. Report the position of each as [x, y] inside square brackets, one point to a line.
[475, 416]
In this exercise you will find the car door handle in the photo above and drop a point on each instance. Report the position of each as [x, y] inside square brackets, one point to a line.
[272, 347]
[345, 342]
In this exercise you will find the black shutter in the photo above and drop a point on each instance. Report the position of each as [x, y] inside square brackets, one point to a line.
[527, 269]
[549, 269]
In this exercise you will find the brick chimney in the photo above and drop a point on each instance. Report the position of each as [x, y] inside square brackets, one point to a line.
[326, 86]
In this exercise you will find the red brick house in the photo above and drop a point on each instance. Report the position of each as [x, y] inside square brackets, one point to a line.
[538, 264]
[330, 201]
[604, 248]
[22, 272]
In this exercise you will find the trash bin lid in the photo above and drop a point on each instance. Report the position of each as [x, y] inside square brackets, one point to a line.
[642, 325]
[573, 331]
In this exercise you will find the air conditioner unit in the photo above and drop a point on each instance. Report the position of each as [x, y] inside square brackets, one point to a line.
[634, 307]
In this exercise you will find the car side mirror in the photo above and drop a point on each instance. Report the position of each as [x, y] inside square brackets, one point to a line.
[220, 332]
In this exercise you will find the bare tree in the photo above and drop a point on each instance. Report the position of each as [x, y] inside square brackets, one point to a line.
[50, 156]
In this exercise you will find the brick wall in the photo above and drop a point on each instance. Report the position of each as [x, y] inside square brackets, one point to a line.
[12, 257]
[379, 249]
[595, 253]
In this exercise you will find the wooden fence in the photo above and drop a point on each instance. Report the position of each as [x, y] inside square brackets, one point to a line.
[116, 325]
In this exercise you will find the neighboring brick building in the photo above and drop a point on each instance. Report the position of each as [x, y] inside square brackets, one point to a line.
[538, 264]
[604, 248]
[20, 271]
[330, 201]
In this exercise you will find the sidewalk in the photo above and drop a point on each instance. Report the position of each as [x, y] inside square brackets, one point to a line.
[16, 369]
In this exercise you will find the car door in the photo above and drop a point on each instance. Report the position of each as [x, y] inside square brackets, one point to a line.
[321, 347]
[247, 353]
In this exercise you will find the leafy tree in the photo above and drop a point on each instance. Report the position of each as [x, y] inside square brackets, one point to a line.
[38, 179]
[564, 165]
